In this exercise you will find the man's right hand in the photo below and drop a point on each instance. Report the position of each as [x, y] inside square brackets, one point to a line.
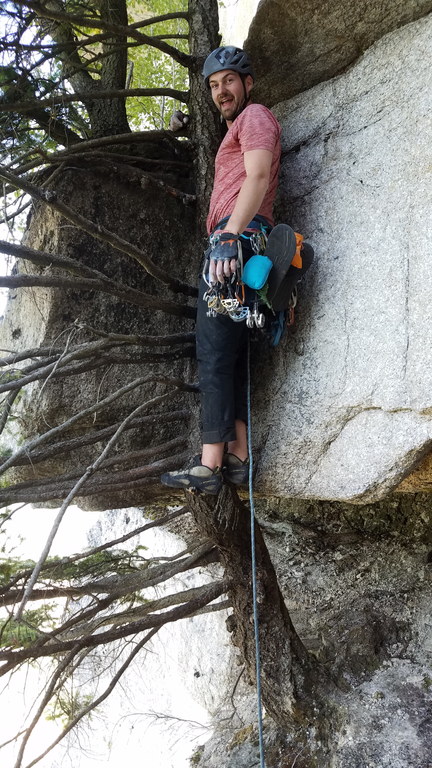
[223, 258]
[178, 121]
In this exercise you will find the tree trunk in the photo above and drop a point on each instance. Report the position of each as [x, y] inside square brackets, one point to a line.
[295, 688]
[109, 116]
[205, 123]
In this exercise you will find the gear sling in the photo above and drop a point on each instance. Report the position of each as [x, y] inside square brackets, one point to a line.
[222, 343]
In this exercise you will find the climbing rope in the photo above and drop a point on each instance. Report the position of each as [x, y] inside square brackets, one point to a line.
[254, 569]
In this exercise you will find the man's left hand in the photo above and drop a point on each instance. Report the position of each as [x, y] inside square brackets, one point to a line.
[223, 258]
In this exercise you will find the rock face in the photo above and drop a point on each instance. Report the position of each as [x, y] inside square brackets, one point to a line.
[357, 583]
[346, 412]
[296, 44]
[46, 317]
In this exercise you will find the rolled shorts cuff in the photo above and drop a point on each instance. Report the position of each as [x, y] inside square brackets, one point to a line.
[222, 434]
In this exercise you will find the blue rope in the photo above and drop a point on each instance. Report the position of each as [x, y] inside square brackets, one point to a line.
[254, 575]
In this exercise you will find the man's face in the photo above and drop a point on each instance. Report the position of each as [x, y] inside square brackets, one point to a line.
[228, 92]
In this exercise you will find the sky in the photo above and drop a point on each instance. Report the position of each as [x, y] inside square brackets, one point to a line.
[126, 728]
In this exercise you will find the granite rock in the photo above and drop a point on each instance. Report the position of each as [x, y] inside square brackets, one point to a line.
[296, 44]
[346, 409]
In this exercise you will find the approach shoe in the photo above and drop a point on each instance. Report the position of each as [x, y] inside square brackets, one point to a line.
[235, 470]
[195, 476]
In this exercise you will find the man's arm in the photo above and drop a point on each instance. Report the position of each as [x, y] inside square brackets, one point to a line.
[257, 164]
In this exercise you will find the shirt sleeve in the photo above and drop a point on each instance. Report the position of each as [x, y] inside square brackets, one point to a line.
[258, 129]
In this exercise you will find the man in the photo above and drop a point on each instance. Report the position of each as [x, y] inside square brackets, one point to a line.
[246, 176]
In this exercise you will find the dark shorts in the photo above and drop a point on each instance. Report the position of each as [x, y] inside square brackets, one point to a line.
[221, 346]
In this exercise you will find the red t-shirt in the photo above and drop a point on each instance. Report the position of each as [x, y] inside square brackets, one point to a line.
[255, 128]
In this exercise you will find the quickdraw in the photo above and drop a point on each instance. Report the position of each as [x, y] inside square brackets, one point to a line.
[228, 297]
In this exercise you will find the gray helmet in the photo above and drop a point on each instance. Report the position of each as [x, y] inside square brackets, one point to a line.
[227, 57]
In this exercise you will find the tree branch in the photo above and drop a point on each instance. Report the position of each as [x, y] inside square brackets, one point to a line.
[147, 479]
[67, 446]
[137, 613]
[99, 232]
[67, 98]
[128, 295]
[101, 405]
[117, 29]
[103, 141]
[100, 282]
[154, 621]
[74, 492]
[46, 698]
[133, 458]
[61, 562]
[95, 703]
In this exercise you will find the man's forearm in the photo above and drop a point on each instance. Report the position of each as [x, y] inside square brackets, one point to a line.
[248, 203]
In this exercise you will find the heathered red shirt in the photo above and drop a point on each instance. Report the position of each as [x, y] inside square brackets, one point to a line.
[254, 128]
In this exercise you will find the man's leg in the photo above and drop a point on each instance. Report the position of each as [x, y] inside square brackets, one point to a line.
[212, 453]
[220, 344]
[239, 446]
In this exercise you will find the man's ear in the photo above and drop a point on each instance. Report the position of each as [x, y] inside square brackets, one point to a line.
[248, 83]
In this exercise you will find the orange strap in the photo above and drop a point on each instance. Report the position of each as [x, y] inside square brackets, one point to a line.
[297, 259]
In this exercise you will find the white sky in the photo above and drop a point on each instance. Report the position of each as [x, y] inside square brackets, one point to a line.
[122, 733]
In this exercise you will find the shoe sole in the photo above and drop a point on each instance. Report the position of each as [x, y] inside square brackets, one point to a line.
[283, 278]
[193, 486]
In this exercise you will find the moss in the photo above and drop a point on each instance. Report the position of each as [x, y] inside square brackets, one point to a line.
[378, 695]
[240, 737]
[196, 757]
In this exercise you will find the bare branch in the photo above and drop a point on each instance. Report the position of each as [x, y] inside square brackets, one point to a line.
[97, 701]
[67, 446]
[159, 604]
[160, 341]
[59, 370]
[98, 353]
[128, 295]
[135, 459]
[46, 698]
[96, 280]
[87, 96]
[117, 29]
[52, 433]
[154, 621]
[139, 160]
[99, 232]
[61, 562]
[11, 216]
[74, 492]
[45, 490]
[7, 408]
[54, 49]
[120, 138]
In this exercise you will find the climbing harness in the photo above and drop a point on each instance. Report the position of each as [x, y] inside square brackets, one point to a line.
[254, 568]
[269, 278]
[229, 297]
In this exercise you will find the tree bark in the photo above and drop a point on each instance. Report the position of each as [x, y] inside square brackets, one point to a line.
[295, 687]
[109, 117]
[106, 117]
[205, 123]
